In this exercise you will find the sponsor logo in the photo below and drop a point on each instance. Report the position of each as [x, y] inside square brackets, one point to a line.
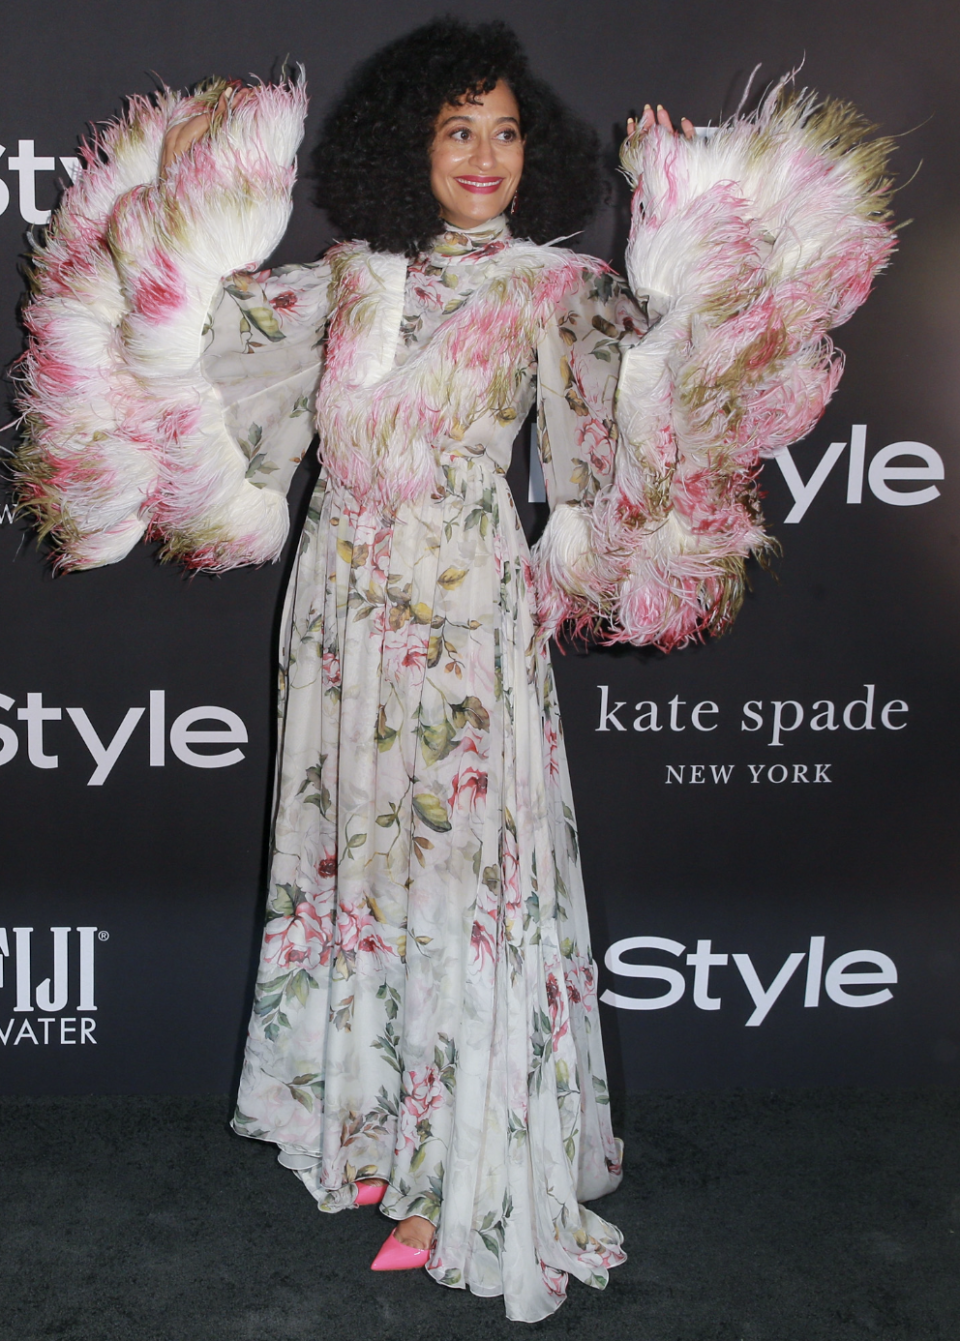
[26, 164]
[57, 1009]
[900, 463]
[842, 980]
[183, 736]
[775, 720]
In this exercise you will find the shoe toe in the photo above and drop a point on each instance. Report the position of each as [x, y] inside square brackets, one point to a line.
[397, 1256]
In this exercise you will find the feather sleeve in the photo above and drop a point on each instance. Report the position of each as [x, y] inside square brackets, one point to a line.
[126, 433]
[748, 245]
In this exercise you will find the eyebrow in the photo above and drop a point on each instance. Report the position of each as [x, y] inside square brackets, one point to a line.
[462, 116]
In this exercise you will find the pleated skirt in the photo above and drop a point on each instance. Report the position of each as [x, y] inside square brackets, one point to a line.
[426, 1010]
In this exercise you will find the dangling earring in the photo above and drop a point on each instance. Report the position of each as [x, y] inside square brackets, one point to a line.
[513, 203]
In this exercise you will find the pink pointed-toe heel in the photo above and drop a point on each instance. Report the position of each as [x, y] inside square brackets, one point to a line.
[397, 1256]
[369, 1194]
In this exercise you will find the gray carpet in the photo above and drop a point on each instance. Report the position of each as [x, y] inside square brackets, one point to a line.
[787, 1216]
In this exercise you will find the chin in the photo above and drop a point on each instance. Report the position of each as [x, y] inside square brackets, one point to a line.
[480, 216]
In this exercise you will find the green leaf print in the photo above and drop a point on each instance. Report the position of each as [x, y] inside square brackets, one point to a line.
[384, 735]
[265, 321]
[601, 1093]
[451, 578]
[471, 710]
[436, 742]
[284, 902]
[491, 878]
[319, 799]
[299, 986]
[516, 1127]
[433, 812]
[391, 999]
[388, 1044]
[252, 441]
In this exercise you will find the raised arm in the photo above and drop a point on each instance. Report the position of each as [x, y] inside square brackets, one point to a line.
[747, 246]
[126, 433]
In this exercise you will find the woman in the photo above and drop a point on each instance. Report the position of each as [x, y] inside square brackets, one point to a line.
[425, 1028]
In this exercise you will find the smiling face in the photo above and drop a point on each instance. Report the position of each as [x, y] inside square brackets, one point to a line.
[476, 159]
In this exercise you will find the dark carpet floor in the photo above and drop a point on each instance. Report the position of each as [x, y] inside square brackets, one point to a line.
[787, 1216]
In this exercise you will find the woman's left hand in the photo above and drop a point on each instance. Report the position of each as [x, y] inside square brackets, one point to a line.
[660, 118]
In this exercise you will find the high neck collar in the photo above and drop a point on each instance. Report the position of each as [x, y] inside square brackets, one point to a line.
[456, 242]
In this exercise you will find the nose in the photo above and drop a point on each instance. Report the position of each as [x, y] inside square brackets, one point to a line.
[483, 152]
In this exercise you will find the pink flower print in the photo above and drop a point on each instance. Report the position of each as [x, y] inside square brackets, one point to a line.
[351, 924]
[555, 1281]
[426, 1093]
[331, 670]
[510, 876]
[579, 979]
[559, 1020]
[593, 438]
[470, 782]
[327, 865]
[357, 932]
[481, 943]
[429, 299]
[551, 741]
[300, 941]
[285, 302]
[404, 650]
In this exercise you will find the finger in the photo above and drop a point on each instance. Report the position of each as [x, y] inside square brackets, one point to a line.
[688, 128]
[631, 126]
[663, 118]
[168, 152]
[179, 139]
[647, 120]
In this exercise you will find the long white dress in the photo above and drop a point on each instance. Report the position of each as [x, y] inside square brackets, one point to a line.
[426, 1009]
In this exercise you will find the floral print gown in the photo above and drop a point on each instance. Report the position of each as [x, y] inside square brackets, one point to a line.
[426, 1010]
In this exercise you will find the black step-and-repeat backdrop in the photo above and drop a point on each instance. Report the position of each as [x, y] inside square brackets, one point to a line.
[768, 822]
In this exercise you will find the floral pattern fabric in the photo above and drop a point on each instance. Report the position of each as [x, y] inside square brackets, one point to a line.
[426, 1009]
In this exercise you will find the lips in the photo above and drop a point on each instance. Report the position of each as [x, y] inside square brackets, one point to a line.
[481, 186]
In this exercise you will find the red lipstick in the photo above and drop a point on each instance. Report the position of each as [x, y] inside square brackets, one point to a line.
[481, 186]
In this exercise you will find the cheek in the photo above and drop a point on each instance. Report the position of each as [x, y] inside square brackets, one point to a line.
[444, 157]
[438, 171]
[515, 162]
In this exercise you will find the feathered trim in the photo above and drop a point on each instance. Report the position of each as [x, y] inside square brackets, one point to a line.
[123, 435]
[751, 243]
[380, 425]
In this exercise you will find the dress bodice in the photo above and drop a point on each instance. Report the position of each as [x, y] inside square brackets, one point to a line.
[438, 284]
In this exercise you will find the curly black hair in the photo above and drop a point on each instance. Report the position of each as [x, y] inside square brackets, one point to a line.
[372, 163]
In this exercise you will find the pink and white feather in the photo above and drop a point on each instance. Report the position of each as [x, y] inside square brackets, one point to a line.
[750, 244]
[124, 436]
[381, 425]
